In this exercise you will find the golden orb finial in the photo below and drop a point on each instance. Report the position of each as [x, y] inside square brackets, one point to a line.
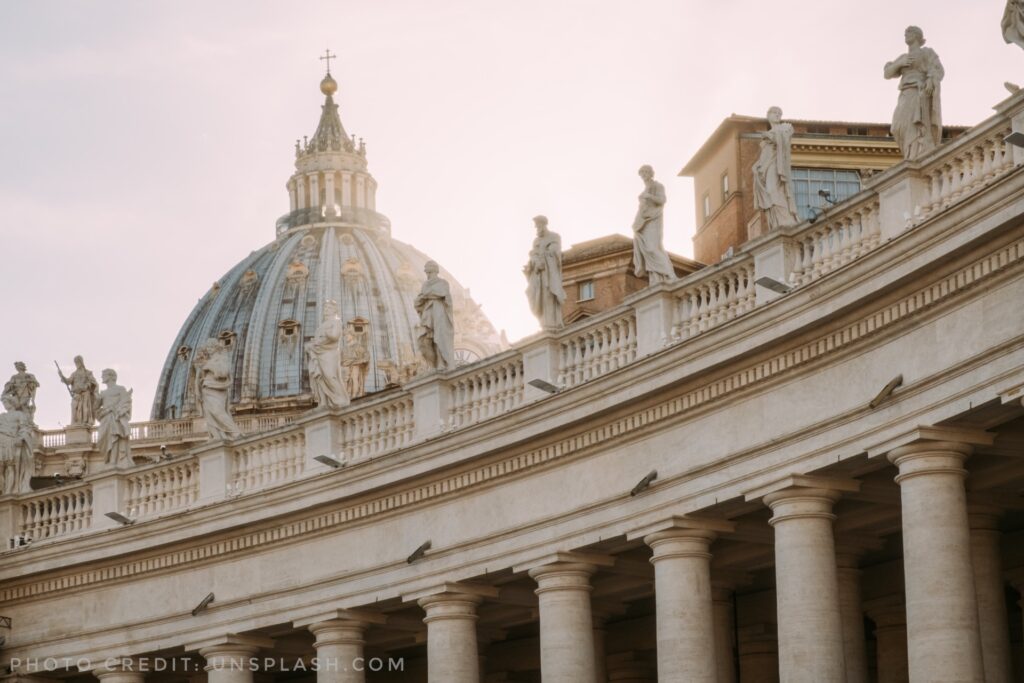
[328, 86]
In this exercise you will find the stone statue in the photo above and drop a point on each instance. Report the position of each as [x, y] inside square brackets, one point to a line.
[773, 187]
[212, 366]
[17, 449]
[114, 411]
[323, 360]
[544, 276]
[355, 356]
[21, 390]
[436, 331]
[917, 121]
[1013, 22]
[649, 256]
[83, 387]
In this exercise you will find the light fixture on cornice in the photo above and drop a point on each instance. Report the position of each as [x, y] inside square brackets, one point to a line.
[544, 386]
[329, 461]
[1016, 138]
[418, 553]
[644, 483]
[120, 519]
[773, 284]
[886, 391]
[203, 604]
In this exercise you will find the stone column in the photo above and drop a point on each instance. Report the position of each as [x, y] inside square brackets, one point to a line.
[566, 620]
[123, 670]
[759, 654]
[453, 653]
[943, 640]
[987, 565]
[723, 609]
[682, 590]
[228, 657]
[339, 644]
[628, 667]
[600, 636]
[890, 620]
[810, 626]
[851, 612]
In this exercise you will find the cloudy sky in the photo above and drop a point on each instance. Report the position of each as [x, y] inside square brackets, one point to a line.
[145, 146]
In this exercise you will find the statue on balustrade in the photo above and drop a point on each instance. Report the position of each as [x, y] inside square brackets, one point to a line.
[21, 391]
[355, 356]
[114, 411]
[435, 333]
[917, 121]
[650, 259]
[17, 449]
[1013, 22]
[323, 361]
[83, 388]
[212, 374]
[773, 185]
[544, 276]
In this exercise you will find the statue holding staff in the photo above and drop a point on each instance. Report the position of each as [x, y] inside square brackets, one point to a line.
[83, 388]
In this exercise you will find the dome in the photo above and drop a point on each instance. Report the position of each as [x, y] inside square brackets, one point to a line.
[331, 246]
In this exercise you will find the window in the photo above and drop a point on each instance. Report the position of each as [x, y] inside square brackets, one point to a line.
[725, 187]
[807, 182]
[707, 206]
[586, 290]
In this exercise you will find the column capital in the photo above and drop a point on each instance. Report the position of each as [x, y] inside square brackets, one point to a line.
[339, 616]
[452, 589]
[925, 434]
[560, 559]
[681, 526]
[228, 644]
[796, 485]
[116, 667]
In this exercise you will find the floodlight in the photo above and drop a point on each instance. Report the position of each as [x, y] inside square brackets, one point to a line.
[544, 386]
[418, 553]
[773, 284]
[329, 461]
[1016, 138]
[201, 607]
[886, 391]
[119, 518]
[644, 483]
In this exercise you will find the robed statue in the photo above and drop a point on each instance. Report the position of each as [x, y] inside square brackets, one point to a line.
[114, 411]
[1013, 22]
[20, 390]
[17, 449]
[83, 388]
[917, 121]
[323, 361]
[650, 259]
[212, 375]
[773, 184]
[544, 276]
[355, 356]
[435, 334]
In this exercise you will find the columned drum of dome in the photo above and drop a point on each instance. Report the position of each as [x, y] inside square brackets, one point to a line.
[332, 245]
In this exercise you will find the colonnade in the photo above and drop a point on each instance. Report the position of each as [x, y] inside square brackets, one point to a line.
[951, 564]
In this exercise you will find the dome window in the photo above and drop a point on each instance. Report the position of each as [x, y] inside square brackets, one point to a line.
[183, 352]
[289, 328]
[227, 338]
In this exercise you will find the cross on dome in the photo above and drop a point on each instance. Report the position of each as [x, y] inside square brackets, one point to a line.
[328, 57]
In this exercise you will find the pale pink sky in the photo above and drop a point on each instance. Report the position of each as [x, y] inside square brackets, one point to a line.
[145, 146]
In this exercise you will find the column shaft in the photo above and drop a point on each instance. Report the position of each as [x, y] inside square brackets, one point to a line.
[229, 663]
[722, 613]
[452, 650]
[942, 612]
[987, 565]
[339, 651]
[566, 622]
[806, 586]
[852, 614]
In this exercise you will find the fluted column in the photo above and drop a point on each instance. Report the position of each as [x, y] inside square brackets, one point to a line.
[120, 671]
[851, 610]
[566, 620]
[452, 650]
[682, 591]
[943, 639]
[228, 657]
[990, 590]
[339, 644]
[811, 646]
[890, 620]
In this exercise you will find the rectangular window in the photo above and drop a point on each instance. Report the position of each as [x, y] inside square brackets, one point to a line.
[707, 206]
[725, 187]
[808, 182]
[586, 290]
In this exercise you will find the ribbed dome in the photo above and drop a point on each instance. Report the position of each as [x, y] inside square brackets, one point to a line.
[332, 245]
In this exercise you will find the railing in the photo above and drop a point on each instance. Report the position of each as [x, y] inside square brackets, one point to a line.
[264, 423]
[52, 438]
[158, 490]
[377, 429]
[268, 461]
[597, 350]
[164, 429]
[486, 392]
[713, 299]
[59, 513]
[971, 162]
[836, 241]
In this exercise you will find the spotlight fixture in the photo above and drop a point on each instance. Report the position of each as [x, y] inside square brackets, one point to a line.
[1016, 138]
[201, 607]
[773, 284]
[644, 483]
[886, 391]
[120, 519]
[329, 461]
[163, 452]
[418, 553]
[827, 196]
[544, 386]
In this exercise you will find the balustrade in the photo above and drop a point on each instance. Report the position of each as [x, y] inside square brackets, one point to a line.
[271, 460]
[487, 392]
[597, 350]
[56, 513]
[377, 429]
[972, 162]
[831, 244]
[714, 299]
[157, 490]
